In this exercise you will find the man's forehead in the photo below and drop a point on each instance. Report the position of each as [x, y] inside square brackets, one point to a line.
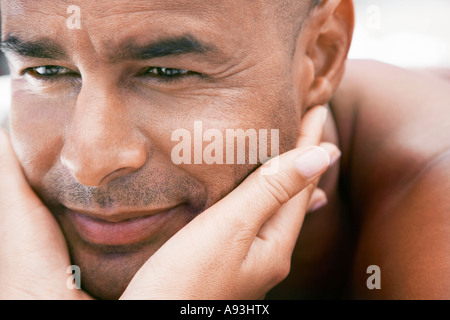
[102, 9]
[117, 20]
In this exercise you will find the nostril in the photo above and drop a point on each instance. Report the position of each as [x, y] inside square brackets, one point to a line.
[115, 174]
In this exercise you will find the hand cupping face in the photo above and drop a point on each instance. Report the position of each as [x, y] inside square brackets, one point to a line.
[222, 249]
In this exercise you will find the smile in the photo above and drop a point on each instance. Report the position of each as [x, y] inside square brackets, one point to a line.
[119, 230]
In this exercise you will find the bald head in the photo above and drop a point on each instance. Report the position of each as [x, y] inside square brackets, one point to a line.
[290, 15]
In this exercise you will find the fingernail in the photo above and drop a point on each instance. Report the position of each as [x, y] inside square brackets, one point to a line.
[335, 157]
[313, 162]
[320, 204]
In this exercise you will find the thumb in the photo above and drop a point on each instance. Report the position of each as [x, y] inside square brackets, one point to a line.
[262, 195]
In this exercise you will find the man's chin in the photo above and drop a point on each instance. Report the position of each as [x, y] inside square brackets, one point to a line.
[105, 270]
[108, 263]
[106, 275]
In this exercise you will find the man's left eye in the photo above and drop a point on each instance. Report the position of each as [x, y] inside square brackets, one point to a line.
[167, 72]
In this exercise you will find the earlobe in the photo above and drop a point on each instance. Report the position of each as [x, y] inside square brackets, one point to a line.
[320, 92]
[330, 30]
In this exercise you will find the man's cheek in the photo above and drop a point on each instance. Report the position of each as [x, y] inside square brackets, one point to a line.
[220, 180]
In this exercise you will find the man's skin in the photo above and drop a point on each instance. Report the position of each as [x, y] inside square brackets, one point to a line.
[103, 148]
[393, 127]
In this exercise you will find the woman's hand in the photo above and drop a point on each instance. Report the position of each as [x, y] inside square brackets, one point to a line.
[33, 253]
[241, 247]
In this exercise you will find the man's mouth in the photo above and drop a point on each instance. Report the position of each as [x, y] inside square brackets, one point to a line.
[121, 228]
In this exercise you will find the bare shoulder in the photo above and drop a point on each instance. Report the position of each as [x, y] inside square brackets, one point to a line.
[392, 123]
[395, 130]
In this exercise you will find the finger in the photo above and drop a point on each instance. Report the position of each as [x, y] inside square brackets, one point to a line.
[310, 134]
[261, 196]
[311, 128]
[284, 226]
[318, 200]
[319, 197]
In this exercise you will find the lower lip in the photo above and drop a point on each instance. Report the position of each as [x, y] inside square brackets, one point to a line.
[132, 231]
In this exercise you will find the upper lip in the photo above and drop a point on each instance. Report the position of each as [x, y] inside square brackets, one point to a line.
[116, 215]
[121, 226]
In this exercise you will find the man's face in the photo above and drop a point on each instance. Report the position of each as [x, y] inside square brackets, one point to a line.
[93, 132]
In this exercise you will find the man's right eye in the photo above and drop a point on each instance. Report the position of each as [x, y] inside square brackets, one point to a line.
[48, 71]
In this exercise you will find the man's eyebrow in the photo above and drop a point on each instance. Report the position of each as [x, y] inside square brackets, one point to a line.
[161, 48]
[47, 48]
[44, 48]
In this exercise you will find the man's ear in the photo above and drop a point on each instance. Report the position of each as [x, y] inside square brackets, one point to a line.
[322, 49]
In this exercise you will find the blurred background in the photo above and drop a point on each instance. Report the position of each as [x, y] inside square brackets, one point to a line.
[407, 33]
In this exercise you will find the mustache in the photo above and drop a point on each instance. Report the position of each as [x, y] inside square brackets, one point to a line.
[140, 189]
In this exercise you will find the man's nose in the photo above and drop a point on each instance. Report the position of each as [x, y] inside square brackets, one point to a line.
[101, 141]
